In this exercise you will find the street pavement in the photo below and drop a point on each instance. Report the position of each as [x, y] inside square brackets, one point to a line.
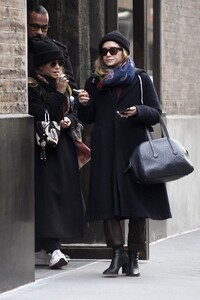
[171, 273]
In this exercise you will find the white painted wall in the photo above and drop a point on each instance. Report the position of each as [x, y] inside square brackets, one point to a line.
[184, 194]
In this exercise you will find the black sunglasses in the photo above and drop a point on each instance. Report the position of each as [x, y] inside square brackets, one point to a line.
[53, 63]
[36, 27]
[112, 51]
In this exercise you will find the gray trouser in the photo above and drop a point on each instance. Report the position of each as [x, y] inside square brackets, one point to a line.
[136, 234]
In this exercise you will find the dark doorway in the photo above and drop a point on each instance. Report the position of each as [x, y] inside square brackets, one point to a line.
[80, 25]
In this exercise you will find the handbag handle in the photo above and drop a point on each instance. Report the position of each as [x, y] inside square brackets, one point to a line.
[162, 125]
[46, 116]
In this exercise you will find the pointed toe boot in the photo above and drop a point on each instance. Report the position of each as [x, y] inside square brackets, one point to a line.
[119, 260]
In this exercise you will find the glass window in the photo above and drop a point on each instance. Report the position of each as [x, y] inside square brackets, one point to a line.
[125, 20]
[135, 21]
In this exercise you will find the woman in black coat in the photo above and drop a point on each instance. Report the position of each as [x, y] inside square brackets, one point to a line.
[58, 199]
[113, 87]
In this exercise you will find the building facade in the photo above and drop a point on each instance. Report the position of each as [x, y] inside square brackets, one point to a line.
[164, 36]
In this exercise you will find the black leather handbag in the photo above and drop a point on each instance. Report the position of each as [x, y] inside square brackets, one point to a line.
[159, 160]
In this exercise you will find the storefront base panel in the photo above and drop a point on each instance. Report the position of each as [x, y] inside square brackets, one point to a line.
[17, 201]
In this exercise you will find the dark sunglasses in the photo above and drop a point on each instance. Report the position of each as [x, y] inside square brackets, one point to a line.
[53, 63]
[36, 27]
[112, 51]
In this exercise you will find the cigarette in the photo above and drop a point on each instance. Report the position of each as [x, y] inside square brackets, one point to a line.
[76, 91]
[63, 78]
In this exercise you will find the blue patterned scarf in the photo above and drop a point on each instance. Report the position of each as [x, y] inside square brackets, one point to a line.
[119, 76]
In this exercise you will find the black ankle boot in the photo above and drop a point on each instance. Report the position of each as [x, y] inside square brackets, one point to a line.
[119, 259]
[133, 266]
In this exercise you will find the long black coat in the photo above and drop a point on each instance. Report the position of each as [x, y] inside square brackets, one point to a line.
[58, 198]
[111, 191]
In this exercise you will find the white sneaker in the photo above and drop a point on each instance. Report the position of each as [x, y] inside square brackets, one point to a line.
[42, 258]
[58, 260]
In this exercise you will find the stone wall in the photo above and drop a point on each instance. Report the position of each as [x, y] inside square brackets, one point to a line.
[180, 56]
[180, 33]
[13, 86]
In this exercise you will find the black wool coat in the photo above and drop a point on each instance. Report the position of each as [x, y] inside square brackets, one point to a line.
[59, 209]
[111, 191]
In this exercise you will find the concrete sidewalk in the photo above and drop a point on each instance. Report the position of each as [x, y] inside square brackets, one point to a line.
[173, 272]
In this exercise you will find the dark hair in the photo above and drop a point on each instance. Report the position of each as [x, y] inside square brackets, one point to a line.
[39, 9]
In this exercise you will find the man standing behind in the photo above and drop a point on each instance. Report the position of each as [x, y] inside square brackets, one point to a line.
[38, 25]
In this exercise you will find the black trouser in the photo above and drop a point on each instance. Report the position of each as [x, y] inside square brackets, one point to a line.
[136, 234]
[47, 244]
